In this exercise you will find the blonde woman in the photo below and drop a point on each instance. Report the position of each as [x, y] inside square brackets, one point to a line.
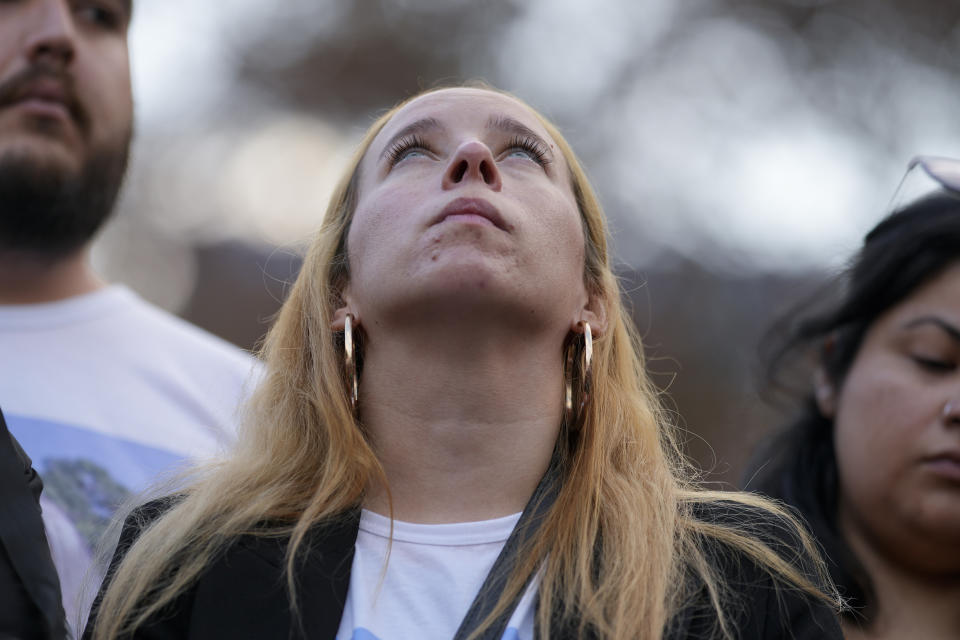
[456, 436]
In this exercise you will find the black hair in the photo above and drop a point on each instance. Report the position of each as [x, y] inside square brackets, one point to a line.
[799, 466]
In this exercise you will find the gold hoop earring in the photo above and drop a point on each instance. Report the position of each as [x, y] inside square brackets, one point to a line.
[350, 363]
[575, 399]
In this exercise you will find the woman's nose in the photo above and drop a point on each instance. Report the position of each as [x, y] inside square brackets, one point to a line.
[472, 161]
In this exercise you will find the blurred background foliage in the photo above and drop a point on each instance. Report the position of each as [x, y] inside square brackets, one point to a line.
[741, 149]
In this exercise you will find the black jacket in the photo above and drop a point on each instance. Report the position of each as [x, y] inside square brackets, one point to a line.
[30, 604]
[243, 593]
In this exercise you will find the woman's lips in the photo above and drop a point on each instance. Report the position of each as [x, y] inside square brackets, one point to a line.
[946, 465]
[475, 210]
[468, 217]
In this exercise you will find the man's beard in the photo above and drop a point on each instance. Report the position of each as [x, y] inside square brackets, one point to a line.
[50, 212]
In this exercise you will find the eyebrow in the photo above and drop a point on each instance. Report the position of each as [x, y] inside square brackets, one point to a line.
[948, 328]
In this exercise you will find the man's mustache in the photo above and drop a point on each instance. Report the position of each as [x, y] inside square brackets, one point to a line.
[15, 88]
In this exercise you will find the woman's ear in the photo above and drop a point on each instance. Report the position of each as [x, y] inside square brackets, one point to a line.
[594, 312]
[824, 392]
[338, 322]
[824, 388]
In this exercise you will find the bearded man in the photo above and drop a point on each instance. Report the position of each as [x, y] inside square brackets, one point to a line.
[101, 389]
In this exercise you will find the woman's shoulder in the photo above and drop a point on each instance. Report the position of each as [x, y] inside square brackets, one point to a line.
[746, 544]
[268, 538]
[142, 515]
[731, 507]
[742, 533]
[719, 518]
[242, 587]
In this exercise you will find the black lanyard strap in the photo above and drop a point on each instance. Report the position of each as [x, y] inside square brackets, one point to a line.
[530, 520]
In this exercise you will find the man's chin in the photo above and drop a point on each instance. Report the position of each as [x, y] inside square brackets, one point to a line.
[43, 154]
[51, 201]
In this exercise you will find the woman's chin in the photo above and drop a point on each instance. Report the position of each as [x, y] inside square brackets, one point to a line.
[466, 270]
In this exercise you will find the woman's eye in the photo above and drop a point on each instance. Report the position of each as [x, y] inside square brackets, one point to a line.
[935, 365]
[526, 148]
[520, 153]
[407, 148]
[413, 151]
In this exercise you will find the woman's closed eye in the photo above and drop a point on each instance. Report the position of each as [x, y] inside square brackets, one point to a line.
[530, 148]
[932, 348]
[934, 364]
[519, 147]
[406, 147]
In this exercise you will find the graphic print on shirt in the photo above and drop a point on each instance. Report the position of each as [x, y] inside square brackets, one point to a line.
[95, 477]
[86, 476]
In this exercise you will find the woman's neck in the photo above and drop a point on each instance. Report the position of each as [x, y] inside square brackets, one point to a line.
[910, 604]
[463, 425]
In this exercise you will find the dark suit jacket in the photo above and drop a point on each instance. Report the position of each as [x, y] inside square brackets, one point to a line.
[30, 604]
[243, 593]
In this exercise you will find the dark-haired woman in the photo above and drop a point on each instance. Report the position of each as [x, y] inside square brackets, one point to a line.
[872, 460]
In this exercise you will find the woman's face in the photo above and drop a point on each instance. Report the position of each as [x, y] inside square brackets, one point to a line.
[465, 208]
[897, 431]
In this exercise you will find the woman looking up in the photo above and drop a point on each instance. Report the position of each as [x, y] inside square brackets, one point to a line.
[466, 259]
[872, 458]
[456, 436]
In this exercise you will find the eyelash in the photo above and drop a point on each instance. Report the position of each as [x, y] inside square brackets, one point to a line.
[536, 150]
[401, 146]
[933, 365]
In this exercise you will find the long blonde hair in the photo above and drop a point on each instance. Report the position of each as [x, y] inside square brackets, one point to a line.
[302, 458]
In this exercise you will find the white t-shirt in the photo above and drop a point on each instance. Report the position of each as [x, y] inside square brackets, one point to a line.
[433, 576]
[105, 392]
